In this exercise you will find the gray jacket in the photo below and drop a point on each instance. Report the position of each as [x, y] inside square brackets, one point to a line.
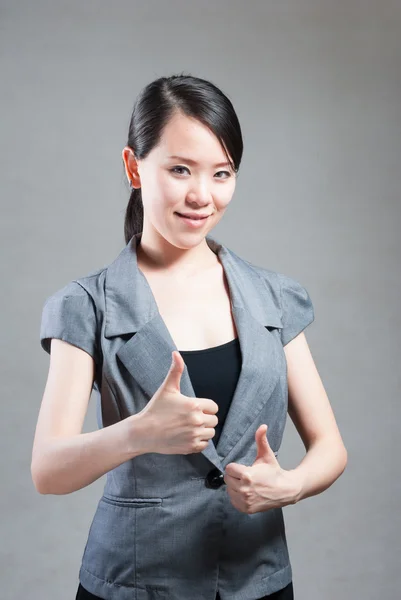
[165, 526]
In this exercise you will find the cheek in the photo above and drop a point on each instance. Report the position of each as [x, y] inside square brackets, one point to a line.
[224, 194]
[160, 194]
[223, 198]
[169, 190]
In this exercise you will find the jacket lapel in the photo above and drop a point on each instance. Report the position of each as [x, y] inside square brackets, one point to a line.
[131, 309]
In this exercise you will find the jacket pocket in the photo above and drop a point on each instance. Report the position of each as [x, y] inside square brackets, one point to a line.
[131, 502]
[111, 549]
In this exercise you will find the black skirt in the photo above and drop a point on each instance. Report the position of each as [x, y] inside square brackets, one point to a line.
[286, 593]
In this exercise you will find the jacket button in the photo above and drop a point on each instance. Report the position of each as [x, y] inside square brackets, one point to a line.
[214, 479]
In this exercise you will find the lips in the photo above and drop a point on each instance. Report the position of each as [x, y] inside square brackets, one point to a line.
[192, 223]
[194, 217]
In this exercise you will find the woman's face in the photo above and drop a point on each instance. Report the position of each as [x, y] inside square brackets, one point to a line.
[199, 181]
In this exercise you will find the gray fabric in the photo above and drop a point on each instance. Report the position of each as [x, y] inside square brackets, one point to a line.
[70, 315]
[158, 531]
[297, 308]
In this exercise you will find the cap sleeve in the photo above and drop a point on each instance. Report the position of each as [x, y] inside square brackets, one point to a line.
[70, 315]
[297, 308]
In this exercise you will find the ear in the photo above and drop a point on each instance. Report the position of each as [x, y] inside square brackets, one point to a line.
[131, 167]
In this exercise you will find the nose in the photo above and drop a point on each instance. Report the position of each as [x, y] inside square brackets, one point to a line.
[199, 194]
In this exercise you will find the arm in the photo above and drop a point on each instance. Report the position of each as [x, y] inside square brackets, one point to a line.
[64, 459]
[67, 464]
[312, 415]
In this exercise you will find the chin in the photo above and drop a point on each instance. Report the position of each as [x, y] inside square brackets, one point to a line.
[195, 241]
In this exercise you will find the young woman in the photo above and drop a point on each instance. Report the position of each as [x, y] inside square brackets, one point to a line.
[195, 356]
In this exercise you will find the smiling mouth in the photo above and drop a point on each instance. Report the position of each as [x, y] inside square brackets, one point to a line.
[193, 218]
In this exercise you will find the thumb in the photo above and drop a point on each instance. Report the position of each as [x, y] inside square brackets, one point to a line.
[173, 377]
[262, 445]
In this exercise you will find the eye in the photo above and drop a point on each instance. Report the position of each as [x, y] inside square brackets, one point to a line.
[173, 170]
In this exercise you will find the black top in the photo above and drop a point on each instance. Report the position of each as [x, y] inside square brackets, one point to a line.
[214, 374]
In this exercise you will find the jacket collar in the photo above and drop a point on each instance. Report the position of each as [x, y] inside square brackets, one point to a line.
[130, 303]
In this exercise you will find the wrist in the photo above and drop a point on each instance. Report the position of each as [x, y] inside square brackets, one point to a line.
[296, 485]
[137, 434]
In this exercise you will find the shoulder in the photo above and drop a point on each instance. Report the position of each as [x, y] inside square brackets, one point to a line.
[88, 286]
[289, 295]
[268, 275]
[279, 283]
[73, 314]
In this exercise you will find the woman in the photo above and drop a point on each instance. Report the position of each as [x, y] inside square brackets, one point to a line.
[176, 329]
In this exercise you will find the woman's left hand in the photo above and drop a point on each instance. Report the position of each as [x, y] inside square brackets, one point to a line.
[262, 486]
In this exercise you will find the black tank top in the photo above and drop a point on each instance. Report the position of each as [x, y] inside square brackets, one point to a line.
[214, 374]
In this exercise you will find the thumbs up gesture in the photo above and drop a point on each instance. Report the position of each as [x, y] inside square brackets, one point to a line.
[263, 485]
[175, 423]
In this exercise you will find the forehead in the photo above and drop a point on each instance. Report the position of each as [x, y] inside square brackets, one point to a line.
[186, 136]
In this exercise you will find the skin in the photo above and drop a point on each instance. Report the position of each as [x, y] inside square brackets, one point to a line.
[168, 245]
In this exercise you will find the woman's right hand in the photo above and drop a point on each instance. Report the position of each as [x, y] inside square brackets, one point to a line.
[178, 424]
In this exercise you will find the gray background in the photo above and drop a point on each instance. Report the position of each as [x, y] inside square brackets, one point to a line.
[316, 85]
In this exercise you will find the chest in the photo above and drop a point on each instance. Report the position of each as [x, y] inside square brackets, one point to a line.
[197, 312]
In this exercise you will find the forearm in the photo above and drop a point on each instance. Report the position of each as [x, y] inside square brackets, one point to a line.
[323, 463]
[67, 464]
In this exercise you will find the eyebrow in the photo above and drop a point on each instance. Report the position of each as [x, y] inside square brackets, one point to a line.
[193, 162]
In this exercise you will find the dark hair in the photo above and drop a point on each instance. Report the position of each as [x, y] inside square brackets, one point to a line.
[153, 108]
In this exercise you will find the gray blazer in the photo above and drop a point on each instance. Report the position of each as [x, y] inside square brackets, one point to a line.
[165, 526]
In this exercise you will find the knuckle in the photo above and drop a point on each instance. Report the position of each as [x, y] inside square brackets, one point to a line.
[197, 419]
[247, 479]
[194, 405]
